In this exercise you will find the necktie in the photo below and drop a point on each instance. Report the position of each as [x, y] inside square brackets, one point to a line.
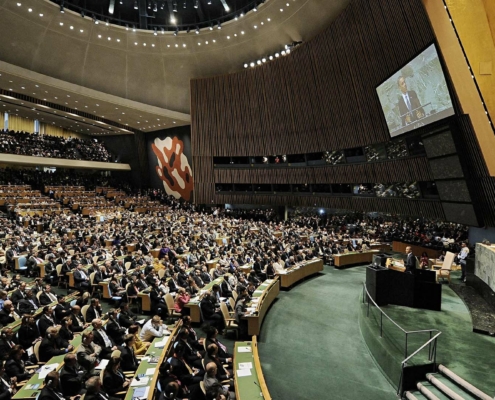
[105, 338]
[408, 103]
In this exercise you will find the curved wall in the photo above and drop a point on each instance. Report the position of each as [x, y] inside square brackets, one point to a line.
[320, 97]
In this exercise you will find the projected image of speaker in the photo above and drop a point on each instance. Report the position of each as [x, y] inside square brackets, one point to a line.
[416, 95]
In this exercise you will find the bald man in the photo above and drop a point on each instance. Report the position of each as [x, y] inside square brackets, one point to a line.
[212, 386]
[8, 314]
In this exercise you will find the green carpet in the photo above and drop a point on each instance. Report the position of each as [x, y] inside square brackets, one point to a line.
[310, 344]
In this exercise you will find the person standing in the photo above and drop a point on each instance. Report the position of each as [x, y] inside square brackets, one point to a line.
[410, 263]
[463, 254]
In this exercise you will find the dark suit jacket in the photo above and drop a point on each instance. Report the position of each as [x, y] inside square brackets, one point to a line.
[45, 300]
[5, 317]
[91, 314]
[78, 278]
[126, 319]
[48, 349]
[410, 263]
[115, 331]
[415, 103]
[17, 296]
[112, 382]
[47, 394]
[76, 326]
[5, 347]
[61, 311]
[98, 339]
[14, 368]
[43, 324]
[27, 335]
[71, 381]
[26, 307]
[128, 359]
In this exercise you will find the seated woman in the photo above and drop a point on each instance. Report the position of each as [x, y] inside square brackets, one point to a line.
[114, 380]
[424, 261]
[15, 368]
[139, 346]
[181, 299]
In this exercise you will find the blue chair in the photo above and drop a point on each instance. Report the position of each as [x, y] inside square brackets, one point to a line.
[22, 261]
[117, 299]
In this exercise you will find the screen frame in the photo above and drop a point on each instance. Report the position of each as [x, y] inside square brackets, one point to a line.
[447, 81]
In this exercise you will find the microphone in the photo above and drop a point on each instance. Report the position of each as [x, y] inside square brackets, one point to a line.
[261, 391]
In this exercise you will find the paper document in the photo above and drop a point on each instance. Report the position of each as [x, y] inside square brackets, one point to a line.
[141, 393]
[102, 364]
[223, 298]
[246, 365]
[161, 344]
[29, 351]
[258, 292]
[244, 349]
[140, 382]
[46, 369]
[269, 281]
[243, 372]
[140, 321]
[150, 371]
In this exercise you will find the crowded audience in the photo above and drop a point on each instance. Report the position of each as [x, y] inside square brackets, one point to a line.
[34, 144]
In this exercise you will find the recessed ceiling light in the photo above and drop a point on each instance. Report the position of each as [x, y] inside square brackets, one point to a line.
[71, 27]
[61, 24]
[268, 19]
[99, 36]
[81, 30]
[41, 15]
[242, 32]
[19, 4]
[30, 9]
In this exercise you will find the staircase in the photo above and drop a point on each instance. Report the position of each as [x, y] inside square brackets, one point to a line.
[445, 385]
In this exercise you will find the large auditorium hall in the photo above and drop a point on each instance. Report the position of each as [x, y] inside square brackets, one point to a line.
[247, 199]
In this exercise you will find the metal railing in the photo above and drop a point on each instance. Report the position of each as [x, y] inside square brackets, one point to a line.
[431, 342]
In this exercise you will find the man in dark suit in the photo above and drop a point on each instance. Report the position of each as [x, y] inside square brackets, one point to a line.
[71, 377]
[81, 279]
[205, 276]
[78, 324]
[113, 328]
[7, 342]
[51, 346]
[47, 297]
[7, 313]
[29, 304]
[410, 109]
[50, 270]
[126, 317]
[158, 306]
[101, 338]
[62, 309]
[94, 311]
[128, 360]
[19, 294]
[46, 320]
[410, 262]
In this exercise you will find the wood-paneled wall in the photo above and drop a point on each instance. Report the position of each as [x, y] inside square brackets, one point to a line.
[407, 170]
[320, 97]
[20, 124]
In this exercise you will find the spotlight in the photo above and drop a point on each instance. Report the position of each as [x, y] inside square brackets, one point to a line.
[258, 62]
[162, 7]
[208, 2]
[62, 8]
[82, 14]
[263, 60]
[197, 30]
[155, 32]
[255, 9]
[134, 28]
[163, 31]
[283, 52]
[176, 32]
[136, 7]
[174, 6]
[155, 7]
[246, 65]
[173, 20]
[188, 30]
[196, 4]
[185, 5]
[211, 27]
[252, 64]
[270, 58]
[107, 22]
[236, 17]
[219, 26]
[149, 5]
[126, 27]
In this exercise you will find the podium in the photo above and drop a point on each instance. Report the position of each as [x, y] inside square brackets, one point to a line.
[416, 290]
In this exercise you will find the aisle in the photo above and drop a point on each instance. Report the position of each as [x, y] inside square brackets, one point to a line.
[310, 344]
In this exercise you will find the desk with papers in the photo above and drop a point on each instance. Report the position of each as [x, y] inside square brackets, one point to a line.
[354, 257]
[249, 380]
[262, 299]
[290, 276]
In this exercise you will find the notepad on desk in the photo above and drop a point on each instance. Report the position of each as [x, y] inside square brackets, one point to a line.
[244, 349]
[46, 369]
[246, 365]
[161, 344]
[150, 371]
[102, 364]
[243, 372]
[141, 392]
[140, 382]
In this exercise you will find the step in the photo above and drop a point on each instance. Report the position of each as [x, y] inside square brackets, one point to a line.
[431, 392]
[454, 387]
[414, 395]
[446, 390]
[473, 391]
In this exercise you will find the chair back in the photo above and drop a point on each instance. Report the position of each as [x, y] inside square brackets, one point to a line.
[127, 265]
[234, 295]
[202, 386]
[161, 273]
[84, 310]
[71, 252]
[38, 296]
[232, 303]
[59, 269]
[36, 350]
[449, 260]
[22, 262]
[92, 277]
[225, 311]
[211, 273]
[169, 300]
[95, 259]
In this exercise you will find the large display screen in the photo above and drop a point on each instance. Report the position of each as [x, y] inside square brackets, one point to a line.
[417, 95]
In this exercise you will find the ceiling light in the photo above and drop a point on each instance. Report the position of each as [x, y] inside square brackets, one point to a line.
[30, 9]
[106, 22]
[184, 5]
[176, 32]
[183, 45]
[228, 37]
[219, 26]
[277, 55]
[255, 9]
[136, 7]
[258, 62]
[263, 60]
[41, 15]
[256, 27]
[155, 7]
[62, 7]
[61, 24]
[246, 65]
[19, 4]
[268, 19]
[173, 20]
[155, 32]
[281, 10]
[174, 6]
[242, 32]
[283, 52]
[81, 30]
[197, 30]
[71, 27]
[196, 4]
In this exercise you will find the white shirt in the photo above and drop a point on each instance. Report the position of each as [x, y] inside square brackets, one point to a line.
[151, 331]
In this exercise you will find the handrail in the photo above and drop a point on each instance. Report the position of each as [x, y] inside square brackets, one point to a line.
[391, 320]
[404, 362]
